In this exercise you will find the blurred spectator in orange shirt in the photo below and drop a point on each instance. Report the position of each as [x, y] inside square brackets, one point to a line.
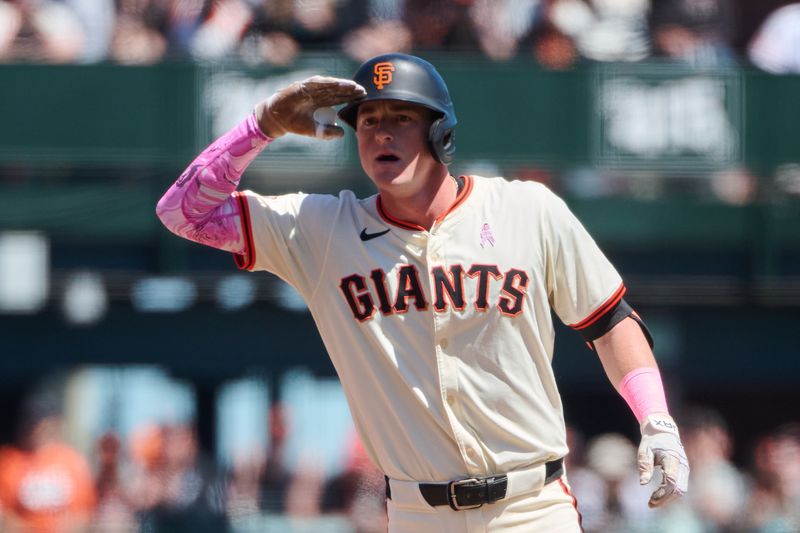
[45, 485]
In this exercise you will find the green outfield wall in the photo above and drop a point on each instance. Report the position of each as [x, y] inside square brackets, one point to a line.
[673, 118]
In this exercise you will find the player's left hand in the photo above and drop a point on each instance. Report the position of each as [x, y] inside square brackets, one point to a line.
[661, 447]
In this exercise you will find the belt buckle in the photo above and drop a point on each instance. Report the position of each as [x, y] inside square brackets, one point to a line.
[451, 492]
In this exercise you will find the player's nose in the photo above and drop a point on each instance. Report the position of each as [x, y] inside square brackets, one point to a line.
[383, 132]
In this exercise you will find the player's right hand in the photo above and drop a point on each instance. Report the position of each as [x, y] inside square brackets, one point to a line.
[661, 447]
[291, 110]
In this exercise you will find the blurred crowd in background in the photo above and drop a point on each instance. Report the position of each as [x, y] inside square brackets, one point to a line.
[558, 33]
[157, 479]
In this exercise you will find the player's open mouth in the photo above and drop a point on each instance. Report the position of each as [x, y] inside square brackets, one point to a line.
[387, 158]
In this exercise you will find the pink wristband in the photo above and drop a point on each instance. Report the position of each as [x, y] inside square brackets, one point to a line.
[643, 390]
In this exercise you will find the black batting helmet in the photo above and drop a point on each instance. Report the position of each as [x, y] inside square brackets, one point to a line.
[409, 79]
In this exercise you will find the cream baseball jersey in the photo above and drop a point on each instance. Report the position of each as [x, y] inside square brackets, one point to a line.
[442, 338]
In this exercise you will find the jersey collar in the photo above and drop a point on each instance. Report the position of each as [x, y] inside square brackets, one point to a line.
[460, 199]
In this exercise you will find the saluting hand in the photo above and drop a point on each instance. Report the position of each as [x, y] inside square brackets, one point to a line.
[291, 110]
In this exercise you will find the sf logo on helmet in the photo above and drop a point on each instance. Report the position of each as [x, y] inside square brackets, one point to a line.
[383, 74]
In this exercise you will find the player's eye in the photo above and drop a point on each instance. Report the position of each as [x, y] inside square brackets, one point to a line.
[404, 118]
[369, 121]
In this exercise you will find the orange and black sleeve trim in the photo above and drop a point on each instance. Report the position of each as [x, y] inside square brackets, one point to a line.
[601, 311]
[614, 312]
[247, 260]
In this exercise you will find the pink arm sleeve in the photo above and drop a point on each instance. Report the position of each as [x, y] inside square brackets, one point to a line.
[643, 390]
[200, 206]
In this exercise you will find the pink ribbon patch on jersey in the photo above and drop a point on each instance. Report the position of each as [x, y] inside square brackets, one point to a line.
[486, 235]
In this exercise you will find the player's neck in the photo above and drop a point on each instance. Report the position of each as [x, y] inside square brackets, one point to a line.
[422, 207]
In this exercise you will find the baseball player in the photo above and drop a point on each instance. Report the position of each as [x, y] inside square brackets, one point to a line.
[433, 298]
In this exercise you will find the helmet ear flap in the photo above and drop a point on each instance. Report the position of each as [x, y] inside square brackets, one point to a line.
[441, 137]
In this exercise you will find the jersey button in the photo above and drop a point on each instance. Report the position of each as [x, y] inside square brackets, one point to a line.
[451, 399]
[443, 344]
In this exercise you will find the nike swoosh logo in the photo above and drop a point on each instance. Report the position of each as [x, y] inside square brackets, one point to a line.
[368, 236]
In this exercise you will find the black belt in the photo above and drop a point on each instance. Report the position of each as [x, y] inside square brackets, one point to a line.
[473, 492]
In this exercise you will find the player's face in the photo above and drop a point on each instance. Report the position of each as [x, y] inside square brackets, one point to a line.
[393, 144]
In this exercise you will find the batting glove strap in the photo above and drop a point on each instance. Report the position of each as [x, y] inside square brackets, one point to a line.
[661, 448]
